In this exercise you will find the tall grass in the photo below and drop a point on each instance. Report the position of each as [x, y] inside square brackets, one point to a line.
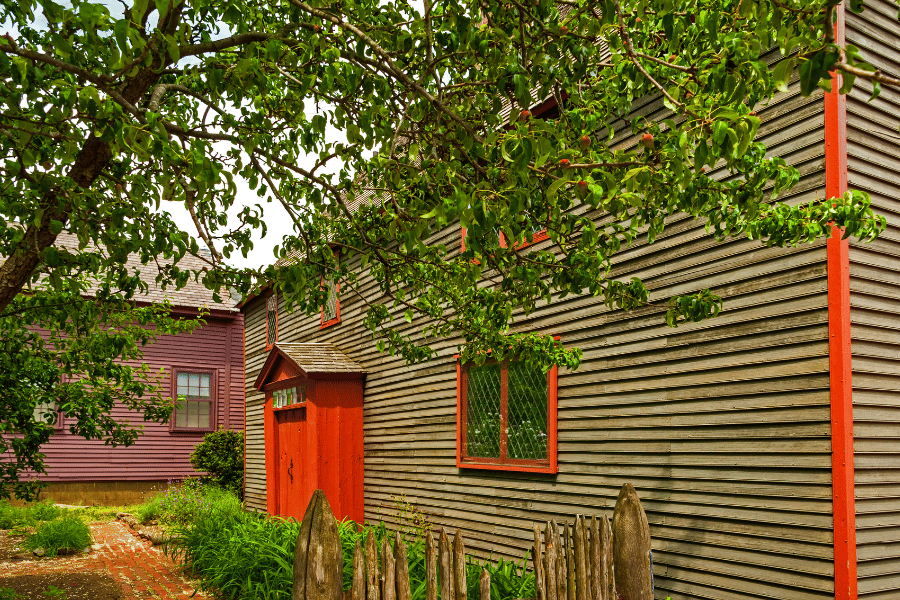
[246, 556]
[68, 532]
[12, 517]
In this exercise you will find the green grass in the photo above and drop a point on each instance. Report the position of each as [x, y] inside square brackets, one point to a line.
[246, 556]
[66, 532]
[14, 517]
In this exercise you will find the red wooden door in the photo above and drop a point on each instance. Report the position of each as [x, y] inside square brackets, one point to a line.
[290, 435]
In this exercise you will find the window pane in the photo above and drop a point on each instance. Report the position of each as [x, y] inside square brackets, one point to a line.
[181, 414]
[192, 414]
[203, 414]
[483, 412]
[204, 385]
[526, 412]
[45, 413]
[182, 384]
[193, 384]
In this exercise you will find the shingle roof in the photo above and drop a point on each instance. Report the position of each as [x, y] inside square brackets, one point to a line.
[193, 295]
[320, 358]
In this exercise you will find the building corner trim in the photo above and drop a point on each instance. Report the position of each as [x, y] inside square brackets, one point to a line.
[839, 352]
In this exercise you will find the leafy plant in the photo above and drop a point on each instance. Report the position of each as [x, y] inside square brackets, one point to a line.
[54, 593]
[67, 532]
[8, 594]
[221, 456]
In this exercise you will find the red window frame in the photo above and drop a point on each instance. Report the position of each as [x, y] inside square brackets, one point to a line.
[274, 337]
[503, 463]
[213, 398]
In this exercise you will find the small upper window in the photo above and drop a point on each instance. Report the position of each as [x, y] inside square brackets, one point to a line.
[507, 417]
[289, 396]
[271, 320]
[331, 309]
[194, 408]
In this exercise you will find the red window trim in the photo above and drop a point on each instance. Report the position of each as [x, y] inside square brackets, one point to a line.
[550, 465]
[539, 236]
[213, 398]
[266, 308]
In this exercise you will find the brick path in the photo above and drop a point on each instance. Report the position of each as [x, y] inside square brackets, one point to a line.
[141, 569]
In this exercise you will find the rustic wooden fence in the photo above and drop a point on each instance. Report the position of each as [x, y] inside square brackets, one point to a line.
[588, 559]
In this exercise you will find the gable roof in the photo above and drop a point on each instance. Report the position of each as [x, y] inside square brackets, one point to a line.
[310, 358]
[193, 295]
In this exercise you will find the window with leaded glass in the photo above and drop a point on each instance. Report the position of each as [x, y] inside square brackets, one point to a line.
[194, 400]
[507, 416]
[289, 396]
[271, 319]
[331, 309]
[47, 412]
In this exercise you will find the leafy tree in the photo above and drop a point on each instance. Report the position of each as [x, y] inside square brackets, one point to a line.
[107, 110]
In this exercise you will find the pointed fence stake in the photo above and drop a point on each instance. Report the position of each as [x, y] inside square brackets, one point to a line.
[538, 561]
[594, 559]
[318, 558]
[582, 588]
[570, 564]
[446, 568]
[389, 571]
[373, 573]
[431, 588]
[358, 589]
[607, 564]
[459, 566]
[631, 547]
[550, 564]
[404, 592]
[484, 586]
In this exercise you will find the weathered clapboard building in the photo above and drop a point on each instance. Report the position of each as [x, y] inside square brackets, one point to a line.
[765, 443]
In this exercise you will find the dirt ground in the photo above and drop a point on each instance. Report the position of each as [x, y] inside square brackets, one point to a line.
[62, 586]
[120, 566]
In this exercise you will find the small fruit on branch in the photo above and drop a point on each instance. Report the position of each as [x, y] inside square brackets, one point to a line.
[585, 141]
[647, 140]
[564, 163]
[582, 186]
[563, 30]
[523, 116]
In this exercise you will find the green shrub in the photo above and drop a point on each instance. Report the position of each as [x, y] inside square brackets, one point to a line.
[18, 516]
[52, 536]
[221, 456]
[11, 516]
[148, 511]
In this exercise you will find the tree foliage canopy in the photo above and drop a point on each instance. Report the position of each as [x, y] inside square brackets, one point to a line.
[108, 110]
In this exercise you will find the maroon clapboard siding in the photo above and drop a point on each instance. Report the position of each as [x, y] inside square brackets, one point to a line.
[161, 454]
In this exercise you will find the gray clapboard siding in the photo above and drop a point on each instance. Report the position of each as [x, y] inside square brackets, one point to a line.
[873, 156]
[722, 426]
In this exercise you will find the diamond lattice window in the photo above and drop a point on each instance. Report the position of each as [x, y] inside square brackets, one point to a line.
[271, 320]
[289, 396]
[330, 310]
[508, 416]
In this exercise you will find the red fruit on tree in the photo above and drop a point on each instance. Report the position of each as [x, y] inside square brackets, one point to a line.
[582, 186]
[564, 163]
[647, 140]
[564, 30]
[585, 141]
[523, 116]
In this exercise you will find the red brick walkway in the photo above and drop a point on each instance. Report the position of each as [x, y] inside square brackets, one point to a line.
[141, 569]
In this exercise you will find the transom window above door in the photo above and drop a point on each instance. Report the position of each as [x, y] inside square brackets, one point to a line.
[289, 396]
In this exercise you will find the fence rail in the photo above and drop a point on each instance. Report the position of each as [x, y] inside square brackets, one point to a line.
[587, 559]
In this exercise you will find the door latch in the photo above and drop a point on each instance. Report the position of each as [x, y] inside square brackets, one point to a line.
[291, 471]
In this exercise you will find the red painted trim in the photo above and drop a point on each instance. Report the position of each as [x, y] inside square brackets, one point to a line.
[548, 465]
[337, 307]
[540, 236]
[839, 351]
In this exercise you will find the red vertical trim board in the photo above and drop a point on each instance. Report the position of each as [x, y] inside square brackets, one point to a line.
[838, 257]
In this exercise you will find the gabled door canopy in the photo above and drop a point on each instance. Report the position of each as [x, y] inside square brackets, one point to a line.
[312, 361]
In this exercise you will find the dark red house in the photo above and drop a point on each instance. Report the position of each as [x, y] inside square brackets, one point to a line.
[206, 366]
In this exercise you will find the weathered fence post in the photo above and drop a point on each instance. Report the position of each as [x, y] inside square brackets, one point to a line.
[459, 566]
[484, 587]
[318, 559]
[631, 547]
[373, 574]
[538, 560]
[570, 563]
[358, 589]
[404, 592]
[607, 564]
[430, 568]
[388, 571]
[445, 566]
